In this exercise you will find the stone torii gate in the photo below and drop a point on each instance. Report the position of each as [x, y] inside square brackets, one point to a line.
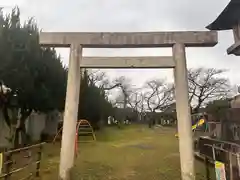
[177, 40]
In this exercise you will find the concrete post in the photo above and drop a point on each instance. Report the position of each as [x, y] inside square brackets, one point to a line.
[183, 113]
[70, 113]
[82, 72]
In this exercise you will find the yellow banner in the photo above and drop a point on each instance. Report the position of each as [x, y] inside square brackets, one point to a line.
[220, 171]
[1, 162]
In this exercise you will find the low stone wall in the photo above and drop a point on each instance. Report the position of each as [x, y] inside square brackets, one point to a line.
[4, 133]
[51, 125]
[36, 124]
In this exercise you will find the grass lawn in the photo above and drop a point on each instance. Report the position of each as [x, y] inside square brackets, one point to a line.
[132, 153]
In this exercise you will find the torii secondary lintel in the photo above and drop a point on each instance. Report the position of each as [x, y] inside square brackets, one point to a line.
[127, 62]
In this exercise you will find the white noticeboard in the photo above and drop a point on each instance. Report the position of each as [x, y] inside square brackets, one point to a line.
[220, 171]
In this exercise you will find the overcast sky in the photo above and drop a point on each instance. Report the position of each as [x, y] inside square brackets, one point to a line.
[135, 15]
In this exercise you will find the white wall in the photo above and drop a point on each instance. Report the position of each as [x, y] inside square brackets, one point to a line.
[235, 103]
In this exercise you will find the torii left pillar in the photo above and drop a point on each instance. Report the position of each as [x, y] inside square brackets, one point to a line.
[70, 112]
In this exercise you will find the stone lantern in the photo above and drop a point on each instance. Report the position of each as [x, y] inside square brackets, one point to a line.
[229, 19]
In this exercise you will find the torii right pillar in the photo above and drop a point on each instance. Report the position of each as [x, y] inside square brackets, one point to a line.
[229, 19]
[183, 112]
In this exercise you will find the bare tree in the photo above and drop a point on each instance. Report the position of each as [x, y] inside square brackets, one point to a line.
[137, 102]
[126, 94]
[96, 77]
[206, 84]
[134, 99]
[126, 89]
[158, 95]
[101, 80]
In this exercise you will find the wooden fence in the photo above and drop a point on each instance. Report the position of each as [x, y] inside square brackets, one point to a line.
[225, 152]
[8, 162]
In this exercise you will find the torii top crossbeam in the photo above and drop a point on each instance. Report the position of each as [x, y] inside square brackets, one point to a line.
[129, 39]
